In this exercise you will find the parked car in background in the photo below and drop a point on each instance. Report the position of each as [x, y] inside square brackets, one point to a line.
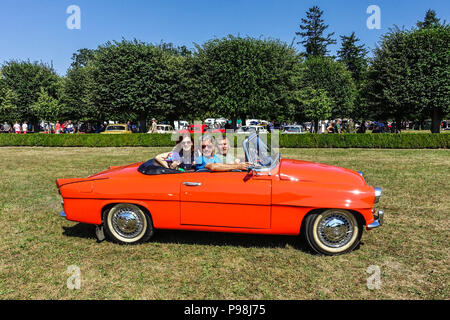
[251, 129]
[293, 129]
[163, 128]
[195, 128]
[116, 129]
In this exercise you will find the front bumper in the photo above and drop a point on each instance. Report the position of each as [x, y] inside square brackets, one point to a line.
[378, 220]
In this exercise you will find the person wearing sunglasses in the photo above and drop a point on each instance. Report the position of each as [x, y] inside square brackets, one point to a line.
[209, 160]
[181, 157]
[207, 153]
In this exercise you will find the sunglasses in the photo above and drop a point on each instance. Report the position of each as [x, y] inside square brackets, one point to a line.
[209, 146]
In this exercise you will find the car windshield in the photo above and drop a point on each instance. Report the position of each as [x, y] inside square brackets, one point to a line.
[258, 153]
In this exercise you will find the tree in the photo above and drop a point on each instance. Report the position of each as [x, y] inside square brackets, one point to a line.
[244, 77]
[353, 56]
[8, 108]
[430, 21]
[132, 77]
[76, 99]
[314, 40]
[46, 107]
[315, 104]
[26, 79]
[323, 73]
[410, 75]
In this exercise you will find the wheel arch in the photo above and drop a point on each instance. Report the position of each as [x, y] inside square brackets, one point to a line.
[359, 216]
[106, 207]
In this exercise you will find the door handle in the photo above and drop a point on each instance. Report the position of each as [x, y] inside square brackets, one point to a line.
[192, 184]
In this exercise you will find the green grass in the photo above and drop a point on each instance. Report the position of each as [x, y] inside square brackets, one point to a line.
[37, 245]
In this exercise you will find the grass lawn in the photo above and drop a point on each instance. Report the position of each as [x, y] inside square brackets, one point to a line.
[37, 246]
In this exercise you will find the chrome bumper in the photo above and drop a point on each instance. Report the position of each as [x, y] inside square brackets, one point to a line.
[378, 220]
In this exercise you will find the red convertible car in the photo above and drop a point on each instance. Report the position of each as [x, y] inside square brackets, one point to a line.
[329, 206]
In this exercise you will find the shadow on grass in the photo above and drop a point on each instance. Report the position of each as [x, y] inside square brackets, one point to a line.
[183, 237]
[80, 230]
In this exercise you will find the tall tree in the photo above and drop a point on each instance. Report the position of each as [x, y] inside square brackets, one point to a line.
[353, 56]
[46, 107]
[315, 104]
[332, 77]
[77, 85]
[410, 74]
[8, 107]
[26, 79]
[313, 28]
[137, 78]
[245, 77]
[431, 20]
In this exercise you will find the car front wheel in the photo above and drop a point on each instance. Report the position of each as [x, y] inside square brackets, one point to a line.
[127, 223]
[333, 231]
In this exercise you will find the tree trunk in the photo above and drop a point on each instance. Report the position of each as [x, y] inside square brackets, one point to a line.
[436, 120]
[398, 125]
[35, 124]
[142, 123]
[316, 126]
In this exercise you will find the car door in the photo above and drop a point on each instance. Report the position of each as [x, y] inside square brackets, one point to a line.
[226, 199]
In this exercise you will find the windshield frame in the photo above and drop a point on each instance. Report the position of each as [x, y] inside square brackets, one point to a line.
[275, 157]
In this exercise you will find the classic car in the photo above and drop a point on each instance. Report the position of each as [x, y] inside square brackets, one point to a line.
[327, 205]
[294, 129]
[251, 129]
[116, 129]
[163, 128]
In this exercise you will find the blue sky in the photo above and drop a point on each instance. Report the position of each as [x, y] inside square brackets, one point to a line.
[36, 30]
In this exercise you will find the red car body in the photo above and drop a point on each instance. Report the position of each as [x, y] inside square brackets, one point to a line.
[271, 201]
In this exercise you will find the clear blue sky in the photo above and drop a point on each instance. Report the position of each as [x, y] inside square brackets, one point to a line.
[36, 29]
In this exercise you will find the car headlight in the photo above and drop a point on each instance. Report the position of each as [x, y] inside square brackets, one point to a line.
[377, 194]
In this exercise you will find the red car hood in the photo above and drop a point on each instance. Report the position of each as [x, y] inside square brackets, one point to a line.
[299, 170]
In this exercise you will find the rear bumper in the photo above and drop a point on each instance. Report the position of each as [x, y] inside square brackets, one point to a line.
[379, 217]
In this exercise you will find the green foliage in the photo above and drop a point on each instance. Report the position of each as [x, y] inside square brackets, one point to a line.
[323, 73]
[314, 41]
[315, 104]
[410, 74]
[238, 77]
[8, 108]
[353, 56]
[46, 107]
[135, 77]
[26, 79]
[345, 140]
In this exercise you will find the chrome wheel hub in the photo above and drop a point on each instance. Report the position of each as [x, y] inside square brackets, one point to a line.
[335, 230]
[127, 222]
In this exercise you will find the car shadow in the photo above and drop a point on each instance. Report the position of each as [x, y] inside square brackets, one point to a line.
[87, 231]
[80, 230]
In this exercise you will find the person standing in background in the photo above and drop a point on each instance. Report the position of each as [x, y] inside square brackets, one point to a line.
[153, 125]
[24, 128]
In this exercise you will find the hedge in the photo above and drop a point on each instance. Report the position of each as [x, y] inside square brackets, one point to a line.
[351, 140]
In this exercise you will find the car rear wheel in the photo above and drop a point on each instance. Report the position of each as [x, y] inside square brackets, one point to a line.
[333, 231]
[127, 223]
